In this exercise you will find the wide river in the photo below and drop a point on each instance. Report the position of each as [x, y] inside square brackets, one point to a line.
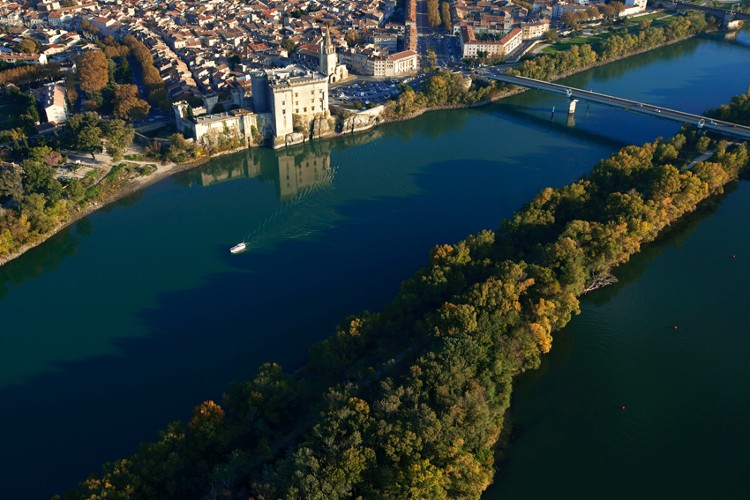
[137, 313]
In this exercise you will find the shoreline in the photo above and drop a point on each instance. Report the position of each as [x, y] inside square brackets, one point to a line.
[131, 187]
[138, 184]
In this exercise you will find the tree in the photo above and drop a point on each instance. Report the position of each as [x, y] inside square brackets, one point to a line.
[570, 19]
[28, 46]
[127, 104]
[433, 13]
[89, 139]
[119, 137]
[93, 71]
[551, 36]
[11, 185]
[445, 13]
[353, 37]
[288, 45]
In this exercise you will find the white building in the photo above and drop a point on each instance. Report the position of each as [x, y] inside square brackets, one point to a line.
[471, 47]
[207, 129]
[54, 104]
[329, 61]
[292, 96]
[535, 31]
[372, 62]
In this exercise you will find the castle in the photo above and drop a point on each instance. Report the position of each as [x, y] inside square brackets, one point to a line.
[287, 104]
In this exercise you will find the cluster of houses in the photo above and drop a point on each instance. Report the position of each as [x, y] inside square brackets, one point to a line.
[269, 62]
[497, 28]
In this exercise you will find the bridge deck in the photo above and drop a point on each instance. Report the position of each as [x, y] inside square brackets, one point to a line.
[723, 127]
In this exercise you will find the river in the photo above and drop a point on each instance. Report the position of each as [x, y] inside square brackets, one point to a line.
[135, 314]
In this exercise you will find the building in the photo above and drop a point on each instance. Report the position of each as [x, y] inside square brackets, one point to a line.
[471, 47]
[636, 3]
[16, 57]
[329, 61]
[293, 97]
[373, 61]
[54, 103]
[535, 31]
[240, 123]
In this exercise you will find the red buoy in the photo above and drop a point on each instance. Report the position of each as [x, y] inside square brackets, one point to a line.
[675, 327]
[623, 407]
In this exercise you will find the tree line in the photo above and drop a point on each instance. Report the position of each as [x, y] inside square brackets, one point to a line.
[157, 93]
[410, 401]
[35, 201]
[551, 66]
[444, 88]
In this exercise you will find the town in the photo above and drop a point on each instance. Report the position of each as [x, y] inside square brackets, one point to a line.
[263, 71]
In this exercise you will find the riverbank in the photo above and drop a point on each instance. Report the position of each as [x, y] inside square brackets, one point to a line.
[482, 312]
[175, 299]
[163, 171]
[138, 184]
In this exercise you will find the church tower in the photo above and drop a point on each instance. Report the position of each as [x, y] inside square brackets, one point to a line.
[328, 57]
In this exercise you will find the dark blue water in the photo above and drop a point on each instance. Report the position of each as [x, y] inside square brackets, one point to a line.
[134, 315]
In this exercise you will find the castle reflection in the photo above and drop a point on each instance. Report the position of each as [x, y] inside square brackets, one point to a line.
[293, 171]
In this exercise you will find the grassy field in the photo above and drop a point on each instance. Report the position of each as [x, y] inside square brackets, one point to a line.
[659, 19]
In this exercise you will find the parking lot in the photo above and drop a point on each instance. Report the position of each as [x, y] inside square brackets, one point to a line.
[365, 92]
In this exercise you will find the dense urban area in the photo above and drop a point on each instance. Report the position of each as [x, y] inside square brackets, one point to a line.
[101, 98]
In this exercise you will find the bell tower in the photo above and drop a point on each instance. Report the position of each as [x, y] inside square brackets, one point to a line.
[328, 57]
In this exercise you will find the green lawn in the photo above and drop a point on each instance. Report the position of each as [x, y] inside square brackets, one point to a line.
[593, 40]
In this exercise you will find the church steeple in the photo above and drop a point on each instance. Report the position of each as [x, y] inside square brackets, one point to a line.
[328, 58]
[330, 49]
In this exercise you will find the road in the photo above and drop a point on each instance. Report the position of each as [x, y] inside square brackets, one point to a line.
[447, 48]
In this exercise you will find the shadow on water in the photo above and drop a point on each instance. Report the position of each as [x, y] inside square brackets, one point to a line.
[43, 258]
[674, 237]
[50, 254]
[528, 114]
[270, 307]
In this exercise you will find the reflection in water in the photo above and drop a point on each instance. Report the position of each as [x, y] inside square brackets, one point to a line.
[299, 174]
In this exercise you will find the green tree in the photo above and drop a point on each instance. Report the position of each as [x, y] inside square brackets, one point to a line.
[433, 13]
[288, 44]
[11, 185]
[119, 137]
[551, 36]
[89, 139]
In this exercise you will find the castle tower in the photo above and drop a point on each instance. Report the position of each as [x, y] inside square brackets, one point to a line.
[328, 57]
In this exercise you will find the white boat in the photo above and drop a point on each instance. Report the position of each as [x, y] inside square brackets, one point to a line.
[239, 247]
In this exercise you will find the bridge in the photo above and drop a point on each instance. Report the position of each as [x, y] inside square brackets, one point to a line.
[574, 95]
[726, 15]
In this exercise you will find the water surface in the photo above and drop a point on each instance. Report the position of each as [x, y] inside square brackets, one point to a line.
[137, 313]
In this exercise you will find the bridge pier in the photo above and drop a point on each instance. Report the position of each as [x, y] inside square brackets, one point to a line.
[572, 106]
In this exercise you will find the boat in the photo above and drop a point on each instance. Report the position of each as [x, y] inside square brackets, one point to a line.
[239, 247]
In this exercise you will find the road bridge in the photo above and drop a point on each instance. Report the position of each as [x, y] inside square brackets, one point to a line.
[574, 95]
[720, 13]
